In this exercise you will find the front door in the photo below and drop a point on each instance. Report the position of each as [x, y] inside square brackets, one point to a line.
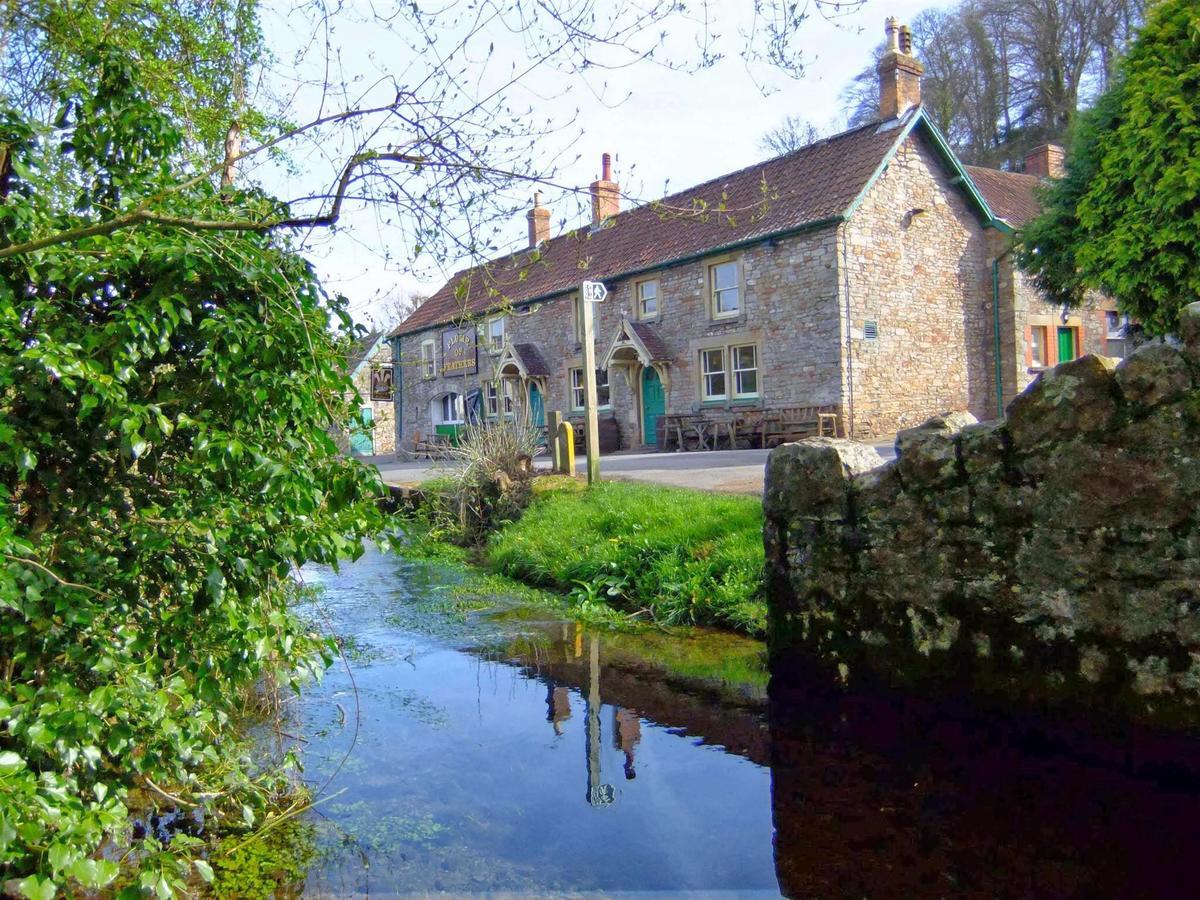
[1066, 344]
[537, 407]
[654, 404]
[361, 441]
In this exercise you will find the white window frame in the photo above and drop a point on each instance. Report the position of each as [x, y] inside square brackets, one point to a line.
[429, 360]
[706, 374]
[737, 372]
[493, 344]
[714, 294]
[640, 299]
[506, 391]
[578, 389]
[455, 406]
[491, 400]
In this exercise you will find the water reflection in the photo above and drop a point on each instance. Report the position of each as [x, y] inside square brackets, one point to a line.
[468, 775]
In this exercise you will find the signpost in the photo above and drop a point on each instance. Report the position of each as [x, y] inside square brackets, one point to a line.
[590, 292]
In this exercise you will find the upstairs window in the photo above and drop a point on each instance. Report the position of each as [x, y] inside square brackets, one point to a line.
[647, 299]
[428, 360]
[725, 290]
[495, 333]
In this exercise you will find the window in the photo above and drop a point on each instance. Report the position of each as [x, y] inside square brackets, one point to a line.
[712, 374]
[723, 284]
[1037, 345]
[448, 409]
[647, 299]
[428, 362]
[495, 333]
[506, 388]
[745, 370]
[603, 396]
[491, 400]
[1116, 325]
[871, 330]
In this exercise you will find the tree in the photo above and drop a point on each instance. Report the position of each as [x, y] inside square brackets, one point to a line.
[169, 369]
[791, 134]
[1002, 76]
[1126, 218]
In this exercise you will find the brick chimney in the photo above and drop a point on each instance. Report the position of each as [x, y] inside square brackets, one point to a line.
[539, 222]
[899, 72]
[1046, 161]
[606, 193]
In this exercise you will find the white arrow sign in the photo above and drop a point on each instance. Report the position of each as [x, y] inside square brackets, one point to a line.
[594, 292]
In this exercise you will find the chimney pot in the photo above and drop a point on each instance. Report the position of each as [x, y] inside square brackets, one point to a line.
[539, 222]
[899, 72]
[1046, 161]
[606, 193]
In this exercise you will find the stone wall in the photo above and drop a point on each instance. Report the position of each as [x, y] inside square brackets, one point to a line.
[1054, 556]
[789, 310]
[917, 266]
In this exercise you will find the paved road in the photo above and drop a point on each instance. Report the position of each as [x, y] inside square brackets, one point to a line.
[736, 471]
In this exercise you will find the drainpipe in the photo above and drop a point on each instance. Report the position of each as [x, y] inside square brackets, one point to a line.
[996, 336]
[397, 391]
[849, 334]
[996, 333]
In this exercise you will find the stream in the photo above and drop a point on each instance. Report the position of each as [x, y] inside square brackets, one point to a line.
[507, 751]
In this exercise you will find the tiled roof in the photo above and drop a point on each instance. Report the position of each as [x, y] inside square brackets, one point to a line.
[531, 359]
[1012, 196]
[648, 335]
[362, 350]
[810, 185]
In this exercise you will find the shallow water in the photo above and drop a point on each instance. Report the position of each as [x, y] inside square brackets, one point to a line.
[506, 753]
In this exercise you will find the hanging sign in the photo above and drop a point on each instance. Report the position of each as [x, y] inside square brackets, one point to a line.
[459, 355]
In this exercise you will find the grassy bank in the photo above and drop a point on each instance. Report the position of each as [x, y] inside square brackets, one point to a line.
[677, 556]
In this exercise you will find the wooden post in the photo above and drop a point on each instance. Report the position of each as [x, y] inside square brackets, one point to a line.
[591, 423]
[553, 420]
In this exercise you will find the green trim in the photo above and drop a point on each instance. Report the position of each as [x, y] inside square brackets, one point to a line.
[996, 334]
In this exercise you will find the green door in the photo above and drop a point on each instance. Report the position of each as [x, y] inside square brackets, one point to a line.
[537, 408]
[361, 442]
[1066, 344]
[654, 404]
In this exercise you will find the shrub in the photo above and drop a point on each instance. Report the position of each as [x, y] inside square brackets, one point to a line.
[493, 484]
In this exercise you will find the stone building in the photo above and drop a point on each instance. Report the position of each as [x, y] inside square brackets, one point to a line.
[370, 367]
[869, 271]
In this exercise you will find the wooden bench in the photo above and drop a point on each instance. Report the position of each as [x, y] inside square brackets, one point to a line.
[432, 446]
[794, 423]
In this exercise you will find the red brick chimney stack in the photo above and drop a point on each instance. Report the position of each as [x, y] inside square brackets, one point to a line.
[899, 72]
[1046, 161]
[606, 193]
[539, 222]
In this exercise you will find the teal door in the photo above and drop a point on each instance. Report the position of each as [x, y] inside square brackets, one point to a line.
[654, 404]
[537, 407]
[361, 442]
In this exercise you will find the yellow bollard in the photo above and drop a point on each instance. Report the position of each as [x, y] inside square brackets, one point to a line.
[567, 436]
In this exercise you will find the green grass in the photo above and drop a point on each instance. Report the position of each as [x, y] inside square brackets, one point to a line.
[685, 557]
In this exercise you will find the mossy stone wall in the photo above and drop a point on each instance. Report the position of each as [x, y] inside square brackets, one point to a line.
[1054, 556]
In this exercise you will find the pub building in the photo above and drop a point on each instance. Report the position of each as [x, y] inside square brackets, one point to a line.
[859, 284]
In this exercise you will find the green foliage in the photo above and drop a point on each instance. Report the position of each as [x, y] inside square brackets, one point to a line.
[164, 463]
[685, 557]
[1126, 219]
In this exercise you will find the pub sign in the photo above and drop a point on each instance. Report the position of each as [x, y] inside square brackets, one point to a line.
[381, 383]
[458, 351]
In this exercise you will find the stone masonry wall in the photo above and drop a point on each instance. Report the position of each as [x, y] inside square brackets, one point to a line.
[789, 310]
[918, 266]
[1054, 556]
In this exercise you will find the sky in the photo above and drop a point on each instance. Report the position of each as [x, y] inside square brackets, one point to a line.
[666, 129]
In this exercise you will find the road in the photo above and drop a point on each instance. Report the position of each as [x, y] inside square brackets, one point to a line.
[734, 471]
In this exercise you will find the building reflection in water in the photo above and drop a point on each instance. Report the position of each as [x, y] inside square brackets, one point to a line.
[558, 706]
[627, 731]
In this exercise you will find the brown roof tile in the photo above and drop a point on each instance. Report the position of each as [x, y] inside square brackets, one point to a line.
[1012, 196]
[810, 185]
[531, 359]
[650, 339]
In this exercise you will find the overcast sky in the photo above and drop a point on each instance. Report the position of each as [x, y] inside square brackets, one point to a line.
[672, 130]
